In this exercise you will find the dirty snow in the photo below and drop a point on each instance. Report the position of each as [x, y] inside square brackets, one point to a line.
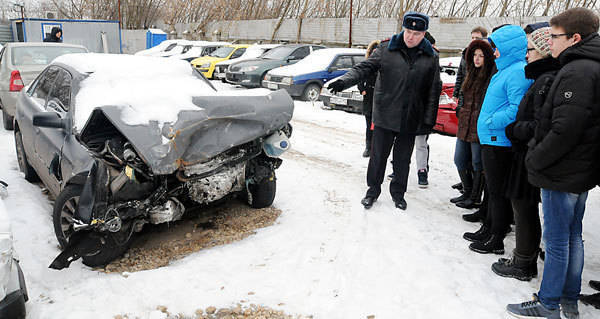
[326, 256]
[315, 62]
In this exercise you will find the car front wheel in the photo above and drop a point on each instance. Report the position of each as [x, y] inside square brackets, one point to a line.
[311, 92]
[262, 194]
[113, 244]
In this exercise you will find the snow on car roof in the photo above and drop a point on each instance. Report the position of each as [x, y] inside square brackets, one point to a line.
[315, 62]
[450, 61]
[147, 88]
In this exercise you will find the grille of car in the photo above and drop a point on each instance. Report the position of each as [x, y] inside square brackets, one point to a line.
[220, 69]
[231, 77]
[275, 78]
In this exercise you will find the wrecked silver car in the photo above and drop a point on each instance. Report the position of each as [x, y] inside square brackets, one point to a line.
[122, 141]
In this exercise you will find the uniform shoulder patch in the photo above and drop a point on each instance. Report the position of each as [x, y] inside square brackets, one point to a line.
[568, 94]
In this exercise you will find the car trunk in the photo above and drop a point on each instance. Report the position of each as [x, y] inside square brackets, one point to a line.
[30, 72]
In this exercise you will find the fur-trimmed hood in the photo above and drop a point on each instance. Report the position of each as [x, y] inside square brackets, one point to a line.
[372, 46]
[488, 54]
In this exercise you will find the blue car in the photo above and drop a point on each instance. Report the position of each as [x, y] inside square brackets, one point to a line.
[306, 78]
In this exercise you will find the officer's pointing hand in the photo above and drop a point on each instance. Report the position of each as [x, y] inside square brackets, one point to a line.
[336, 86]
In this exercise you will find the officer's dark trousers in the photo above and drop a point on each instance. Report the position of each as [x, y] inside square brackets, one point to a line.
[382, 143]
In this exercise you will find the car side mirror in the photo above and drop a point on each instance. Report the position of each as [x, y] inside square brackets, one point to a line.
[49, 119]
[331, 69]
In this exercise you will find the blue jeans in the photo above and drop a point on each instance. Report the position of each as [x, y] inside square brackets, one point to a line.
[466, 152]
[563, 215]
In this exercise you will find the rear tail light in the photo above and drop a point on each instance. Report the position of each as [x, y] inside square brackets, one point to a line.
[16, 83]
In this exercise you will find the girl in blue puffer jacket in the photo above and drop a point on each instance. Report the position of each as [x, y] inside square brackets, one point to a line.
[505, 91]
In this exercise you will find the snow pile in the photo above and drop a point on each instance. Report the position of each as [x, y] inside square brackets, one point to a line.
[147, 88]
[317, 61]
[156, 31]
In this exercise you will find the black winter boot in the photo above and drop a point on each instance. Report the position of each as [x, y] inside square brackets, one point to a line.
[495, 244]
[467, 181]
[475, 199]
[458, 187]
[595, 284]
[591, 300]
[480, 235]
[523, 269]
[476, 217]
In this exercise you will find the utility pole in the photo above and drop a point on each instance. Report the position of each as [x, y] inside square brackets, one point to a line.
[350, 31]
[120, 26]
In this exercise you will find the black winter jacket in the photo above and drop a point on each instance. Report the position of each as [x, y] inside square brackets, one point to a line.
[521, 131]
[407, 92]
[53, 37]
[563, 155]
[367, 85]
[460, 77]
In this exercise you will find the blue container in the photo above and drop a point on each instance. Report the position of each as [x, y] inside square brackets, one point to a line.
[154, 37]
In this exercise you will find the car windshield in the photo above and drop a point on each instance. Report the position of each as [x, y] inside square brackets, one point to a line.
[40, 55]
[170, 47]
[222, 52]
[278, 53]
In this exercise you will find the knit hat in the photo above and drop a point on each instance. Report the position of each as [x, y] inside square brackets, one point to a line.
[539, 39]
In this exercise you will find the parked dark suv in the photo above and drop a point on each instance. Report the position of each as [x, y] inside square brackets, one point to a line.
[250, 73]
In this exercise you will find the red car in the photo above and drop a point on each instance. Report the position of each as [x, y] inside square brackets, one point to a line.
[447, 122]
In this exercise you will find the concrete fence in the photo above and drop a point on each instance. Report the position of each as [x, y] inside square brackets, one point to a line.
[451, 34]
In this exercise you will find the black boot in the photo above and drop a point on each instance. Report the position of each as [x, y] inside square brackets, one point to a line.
[591, 300]
[476, 217]
[480, 235]
[467, 182]
[366, 152]
[368, 201]
[523, 269]
[475, 199]
[458, 187]
[595, 284]
[495, 244]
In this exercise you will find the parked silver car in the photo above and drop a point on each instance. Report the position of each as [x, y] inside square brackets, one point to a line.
[123, 140]
[13, 292]
[20, 63]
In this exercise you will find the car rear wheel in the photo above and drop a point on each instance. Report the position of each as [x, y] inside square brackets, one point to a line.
[261, 195]
[30, 174]
[114, 244]
[7, 121]
[311, 92]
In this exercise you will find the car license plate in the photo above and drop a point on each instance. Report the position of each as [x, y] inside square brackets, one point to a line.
[272, 86]
[338, 100]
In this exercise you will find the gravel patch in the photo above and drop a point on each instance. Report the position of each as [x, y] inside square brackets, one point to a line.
[157, 245]
[237, 312]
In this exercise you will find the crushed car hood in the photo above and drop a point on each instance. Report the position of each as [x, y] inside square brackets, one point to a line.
[220, 123]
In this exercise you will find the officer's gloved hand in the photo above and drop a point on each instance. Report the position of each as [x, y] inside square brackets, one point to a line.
[336, 86]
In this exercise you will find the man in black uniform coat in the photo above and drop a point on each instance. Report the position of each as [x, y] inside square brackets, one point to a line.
[406, 97]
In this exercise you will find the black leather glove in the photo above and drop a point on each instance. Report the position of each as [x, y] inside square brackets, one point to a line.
[336, 86]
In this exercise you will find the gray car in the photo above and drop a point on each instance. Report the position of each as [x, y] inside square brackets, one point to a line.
[20, 63]
[111, 172]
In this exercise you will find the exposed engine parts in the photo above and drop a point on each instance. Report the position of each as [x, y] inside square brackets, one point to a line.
[121, 193]
[217, 186]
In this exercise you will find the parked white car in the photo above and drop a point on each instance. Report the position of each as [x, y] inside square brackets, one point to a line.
[13, 293]
[164, 46]
[20, 63]
[198, 49]
[252, 52]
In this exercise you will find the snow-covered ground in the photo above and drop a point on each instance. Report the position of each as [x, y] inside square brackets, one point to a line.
[326, 257]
